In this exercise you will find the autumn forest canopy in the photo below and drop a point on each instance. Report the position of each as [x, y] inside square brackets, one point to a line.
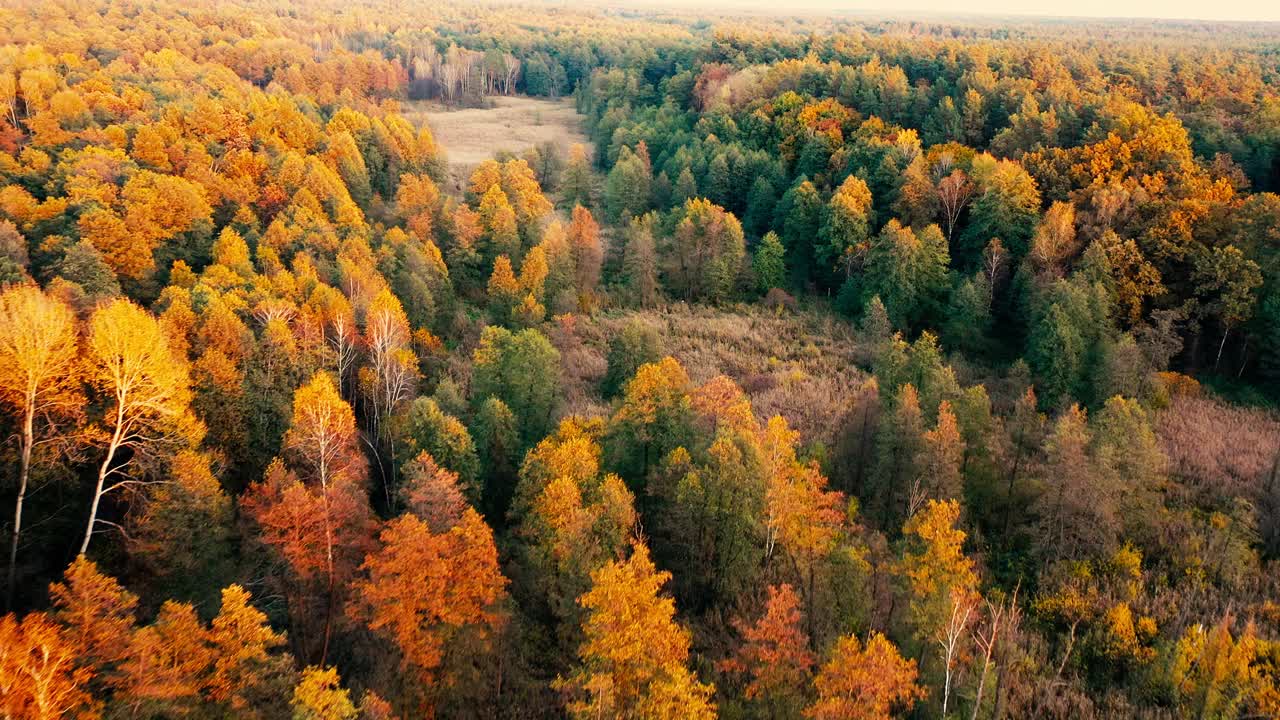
[850, 368]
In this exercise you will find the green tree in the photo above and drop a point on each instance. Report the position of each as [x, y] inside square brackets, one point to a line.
[770, 263]
[523, 371]
[845, 230]
[635, 345]
[908, 271]
[1006, 206]
[801, 218]
[627, 187]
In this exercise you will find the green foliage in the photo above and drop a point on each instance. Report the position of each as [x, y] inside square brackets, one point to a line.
[523, 371]
[769, 263]
[908, 271]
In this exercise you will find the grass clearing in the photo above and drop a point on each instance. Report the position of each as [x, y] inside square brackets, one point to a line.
[801, 365]
[470, 136]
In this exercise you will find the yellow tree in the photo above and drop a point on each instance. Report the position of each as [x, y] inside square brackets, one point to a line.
[865, 683]
[243, 644]
[319, 696]
[394, 366]
[38, 382]
[940, 580]
[39, 675]
[98, 615]
[634, 659]
[803, 517]
[146, 387]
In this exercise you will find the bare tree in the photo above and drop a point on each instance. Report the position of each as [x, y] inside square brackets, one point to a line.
[963, 603]
[511, 65]
[990, 635]
[954, 193]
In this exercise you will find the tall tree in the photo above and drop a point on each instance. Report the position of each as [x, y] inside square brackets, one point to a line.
[146, 392]
[633, 663]
[39, 383]
[427, 590]
[708, 253]
[845, 231]
[775, 654]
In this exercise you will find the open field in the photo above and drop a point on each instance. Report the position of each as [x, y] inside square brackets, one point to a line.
[472, 135]
[800, 365]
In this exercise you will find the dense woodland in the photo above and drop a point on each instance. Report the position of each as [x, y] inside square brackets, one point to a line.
[857, 368]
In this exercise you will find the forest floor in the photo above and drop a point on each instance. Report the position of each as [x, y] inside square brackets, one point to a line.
[472, 135]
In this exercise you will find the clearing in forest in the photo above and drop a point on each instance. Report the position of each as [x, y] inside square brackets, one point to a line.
[472, 135]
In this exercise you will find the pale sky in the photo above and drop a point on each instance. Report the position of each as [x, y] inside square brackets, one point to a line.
[1236, 10]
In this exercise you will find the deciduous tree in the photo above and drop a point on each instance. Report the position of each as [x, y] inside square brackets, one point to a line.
[147, 396]
[39, 384]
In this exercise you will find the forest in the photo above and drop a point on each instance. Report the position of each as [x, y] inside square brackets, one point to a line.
[855, 368]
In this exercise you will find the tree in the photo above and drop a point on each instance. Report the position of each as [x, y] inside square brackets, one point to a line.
[432, 493]
[522, 370]
[654, 416]
[147, 392]
[633, 662]
[708, 252]
[498, 438]
[99, 617]
[572, 520]
[39, 383]
[1227, 282]
[319, 696]
[576, 185]
[775, 654]
[865, 683]
[1055, 239]
[1006, 205]
[640, 261]
[392, 364]
[626, 188]
[802, 517]
[184, 530]
[907, 270]
[846, 228]
[769, 263]
[1078, 506]
[84, 265]
[40, 676]
[635, 345]
[954, 193]
[943, 453]
[498, 219]
[247, 671]
[934, 568]
[1211, 672]
[800, 220]
[899, 451]
[321, 443]
[416, 200]
[321, 440]
[584, 243]
[423, 426]
[425, 590]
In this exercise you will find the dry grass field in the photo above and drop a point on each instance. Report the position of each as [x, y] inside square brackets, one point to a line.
[472, 135]
[800, 365]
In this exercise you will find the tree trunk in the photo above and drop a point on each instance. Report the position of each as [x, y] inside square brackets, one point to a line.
[102, 478]
[28, 438]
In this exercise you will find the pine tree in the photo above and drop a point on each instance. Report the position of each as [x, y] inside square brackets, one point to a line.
[769, 263]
